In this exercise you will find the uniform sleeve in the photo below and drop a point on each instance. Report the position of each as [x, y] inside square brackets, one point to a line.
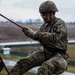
[59, 33]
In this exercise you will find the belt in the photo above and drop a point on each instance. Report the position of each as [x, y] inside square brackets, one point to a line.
[57, 50]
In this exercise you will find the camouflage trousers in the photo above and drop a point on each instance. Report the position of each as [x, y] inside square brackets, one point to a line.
[49, 64]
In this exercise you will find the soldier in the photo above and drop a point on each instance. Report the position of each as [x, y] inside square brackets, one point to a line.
[52, 35]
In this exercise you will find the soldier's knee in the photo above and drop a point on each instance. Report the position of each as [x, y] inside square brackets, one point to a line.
[45, 69]
[63, 66]
[60, 65]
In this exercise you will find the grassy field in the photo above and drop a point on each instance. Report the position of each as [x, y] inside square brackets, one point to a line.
[70, 69]
[70, 51]
[28, 73]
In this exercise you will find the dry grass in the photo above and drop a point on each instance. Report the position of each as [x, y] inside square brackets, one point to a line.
[71, 51]
[8, 32]
[11, 32]
[71, 69]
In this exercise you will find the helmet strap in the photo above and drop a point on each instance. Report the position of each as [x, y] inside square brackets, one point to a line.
[52, 15]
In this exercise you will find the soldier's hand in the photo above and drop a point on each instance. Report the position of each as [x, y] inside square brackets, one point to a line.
[29, 32]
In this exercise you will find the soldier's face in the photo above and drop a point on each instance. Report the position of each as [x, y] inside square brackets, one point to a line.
[46, 17]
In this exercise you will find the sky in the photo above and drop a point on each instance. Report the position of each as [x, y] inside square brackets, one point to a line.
[21, 10]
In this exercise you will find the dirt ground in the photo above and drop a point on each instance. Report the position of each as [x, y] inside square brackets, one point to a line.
[12, 33]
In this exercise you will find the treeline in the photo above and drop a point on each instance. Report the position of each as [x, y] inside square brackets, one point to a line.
[70, 23]
[30, 22]
[27, 22]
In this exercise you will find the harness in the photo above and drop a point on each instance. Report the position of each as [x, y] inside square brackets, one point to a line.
[56, 50]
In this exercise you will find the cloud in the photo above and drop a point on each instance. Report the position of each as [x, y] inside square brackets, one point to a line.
[65, 17]
[25, 9]
[0, 2]
[20, 14]
[65, 3]
[27, 4]
[60, 3]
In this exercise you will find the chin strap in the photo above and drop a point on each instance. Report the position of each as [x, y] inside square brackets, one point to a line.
[52, 15]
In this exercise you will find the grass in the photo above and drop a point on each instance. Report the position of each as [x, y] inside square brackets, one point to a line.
[70, 51]
[3, 72]
[71, 69]
[13, 57]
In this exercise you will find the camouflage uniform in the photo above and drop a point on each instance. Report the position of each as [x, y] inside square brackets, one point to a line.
[53, 38]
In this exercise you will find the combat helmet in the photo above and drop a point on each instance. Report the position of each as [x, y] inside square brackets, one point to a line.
[48, 6]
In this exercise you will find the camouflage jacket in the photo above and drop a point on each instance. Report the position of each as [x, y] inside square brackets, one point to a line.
[53, 34]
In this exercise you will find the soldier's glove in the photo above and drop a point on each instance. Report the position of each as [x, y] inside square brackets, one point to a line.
[29, 32]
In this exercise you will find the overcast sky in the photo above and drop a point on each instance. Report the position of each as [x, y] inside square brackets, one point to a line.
[28, 9]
